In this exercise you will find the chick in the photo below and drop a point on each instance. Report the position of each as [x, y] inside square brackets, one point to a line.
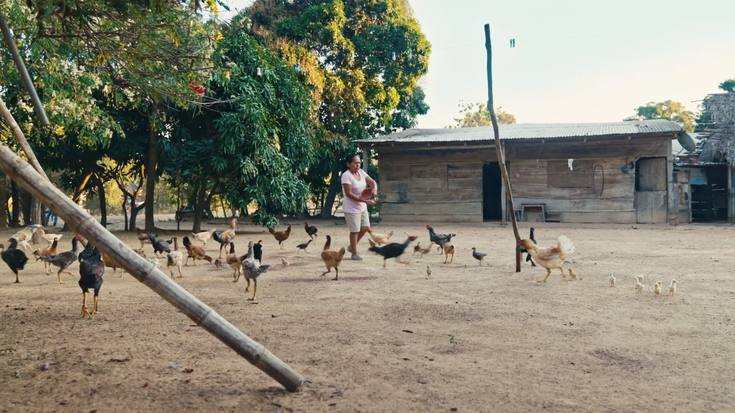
[639, 277]
[572, 274]
[285, 263]
[638, 285]
[219, 263]
[612, 280]
[657, 289]
[672, 287]
[428, 271]
[416, 248]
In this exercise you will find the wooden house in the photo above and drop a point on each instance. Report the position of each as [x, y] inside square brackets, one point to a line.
[603, 173]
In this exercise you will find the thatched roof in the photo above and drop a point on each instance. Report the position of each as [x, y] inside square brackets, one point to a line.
[721, 140]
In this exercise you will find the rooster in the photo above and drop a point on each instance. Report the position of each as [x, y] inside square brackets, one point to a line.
[252, 270]
[549, 258]
[439, 239]
[393, 250]
[159, 246]
[174, 259]
[15, 258]
[65, 259]
[194, 252]
[203, 236]
[311, 230]
[225, 237]
[280, 236]
[91, 270]
[332, 259]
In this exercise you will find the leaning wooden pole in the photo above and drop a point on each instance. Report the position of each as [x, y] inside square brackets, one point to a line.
[18, 133]
[84, 224]
[498, 148]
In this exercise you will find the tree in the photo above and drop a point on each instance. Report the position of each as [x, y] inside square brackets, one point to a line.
[728, 85]
[669, 110]
[480, 117]
[360, 59]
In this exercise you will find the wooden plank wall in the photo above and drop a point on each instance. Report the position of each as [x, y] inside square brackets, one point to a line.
[432, 185]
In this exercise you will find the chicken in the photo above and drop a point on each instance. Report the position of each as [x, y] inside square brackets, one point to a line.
[657, 289]
[49, 238]
[638, 285]
[311, 230]
[439, 239]
[159, 246]
[393, 250]
[572, 274]
[428, 271]
[252, 270]
[91, 270]
[523, 249]
[672, 287]
[372, 243]
[380, 239]
[15, 258]
[303, 246]
[112, 263]
[477, 255]
[194, 252]
[448, 248]
[552, 257]
[234, 262]
[142, 237]
[174, 259]
[285, 263]
[332, 259]
[416, 248]
[225, 237]
[280, 236]
[203, 236]
[219, 263]
[611, 279]
[52, 250]
[65, 259]
[258, 251]
[424, 251]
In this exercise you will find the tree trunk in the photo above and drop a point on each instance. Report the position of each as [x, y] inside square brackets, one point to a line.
[16, 204]
[103, 202]
[134, 214]
[25, 200]
[3, 202]
[199, 207]
[150, 183]
[37, 212]
[334, 186]
[125, 211]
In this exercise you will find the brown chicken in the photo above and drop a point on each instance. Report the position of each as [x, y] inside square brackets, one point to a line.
[551, 257]
[280, 236]
[52, 250]
[196, 253]
[380, 239]
[225, 237]
[332, 259]
[142, 237]
[311, 230]
[234, 262]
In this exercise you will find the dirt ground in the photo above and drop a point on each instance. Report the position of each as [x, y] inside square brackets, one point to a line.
[471, 338]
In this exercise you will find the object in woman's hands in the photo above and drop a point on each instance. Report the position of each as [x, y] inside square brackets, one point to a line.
[366, 194]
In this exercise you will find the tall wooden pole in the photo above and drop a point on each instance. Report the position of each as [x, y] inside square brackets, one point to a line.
[498, 149]
[145, 272]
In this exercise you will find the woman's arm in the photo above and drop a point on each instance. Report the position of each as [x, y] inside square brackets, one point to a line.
[370, 181]
[348, 193]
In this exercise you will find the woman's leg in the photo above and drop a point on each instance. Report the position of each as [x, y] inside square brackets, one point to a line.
[364, 225]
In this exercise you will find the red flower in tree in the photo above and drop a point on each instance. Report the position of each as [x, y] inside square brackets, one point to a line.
[198, 89]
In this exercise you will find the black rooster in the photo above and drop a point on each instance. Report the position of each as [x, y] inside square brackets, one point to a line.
[14, 257]
[91, 270]
[523, 249]
[439, 239]
[159, 246]
[258, 251]
[392, 250]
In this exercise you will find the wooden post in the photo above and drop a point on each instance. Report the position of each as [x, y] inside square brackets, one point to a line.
[498, 148]
[84, 224]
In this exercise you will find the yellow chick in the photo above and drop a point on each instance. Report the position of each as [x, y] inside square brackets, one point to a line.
[285, 263]
[657, 289]
[612, 280]
[672, 287]
[572, 274]
[639, 286]
[639, 277]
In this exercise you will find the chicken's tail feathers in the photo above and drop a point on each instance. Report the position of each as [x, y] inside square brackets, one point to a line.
[271, 230]
[565, 245]
[264, 267]
[208, 258]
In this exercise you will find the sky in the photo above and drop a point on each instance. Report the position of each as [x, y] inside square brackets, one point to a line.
[574, 60]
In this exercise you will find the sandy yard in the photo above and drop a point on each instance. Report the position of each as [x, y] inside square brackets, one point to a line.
[471, 338]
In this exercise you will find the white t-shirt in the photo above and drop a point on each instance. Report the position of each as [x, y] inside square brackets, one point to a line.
[350, 206]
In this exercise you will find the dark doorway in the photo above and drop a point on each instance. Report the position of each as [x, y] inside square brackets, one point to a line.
[492, 183]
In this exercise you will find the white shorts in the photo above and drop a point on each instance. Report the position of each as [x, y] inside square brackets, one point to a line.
[356, 221]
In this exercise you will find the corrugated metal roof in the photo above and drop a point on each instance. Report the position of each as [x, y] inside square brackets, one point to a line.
[529, 131]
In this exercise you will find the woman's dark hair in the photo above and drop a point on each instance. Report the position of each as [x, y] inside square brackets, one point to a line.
[348, 159]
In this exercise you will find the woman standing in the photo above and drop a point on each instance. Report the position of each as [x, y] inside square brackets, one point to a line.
[354, 181]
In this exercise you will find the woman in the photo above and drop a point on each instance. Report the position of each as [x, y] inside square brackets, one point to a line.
[354, 181]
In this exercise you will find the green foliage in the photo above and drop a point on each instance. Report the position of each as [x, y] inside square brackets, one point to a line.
[477, 114]
[670, 110]
[728, 85]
